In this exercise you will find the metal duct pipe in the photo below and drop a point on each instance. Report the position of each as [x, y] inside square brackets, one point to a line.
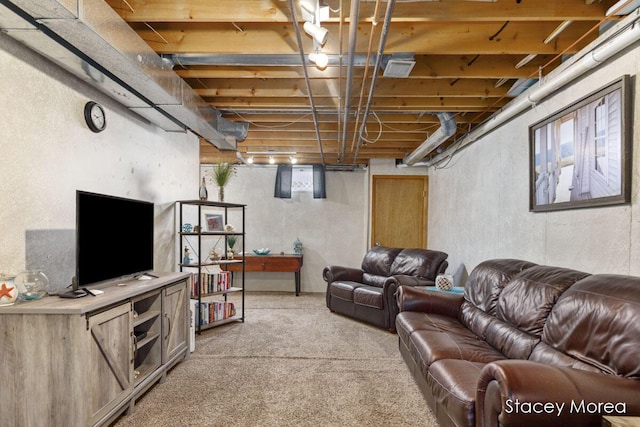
[445, 131]
[314, 112]
[353, 35]
[90, 40]
[557, 79]
[238, 130]
[383, 41]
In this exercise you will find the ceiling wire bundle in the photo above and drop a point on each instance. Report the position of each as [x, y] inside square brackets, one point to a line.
[383, 41]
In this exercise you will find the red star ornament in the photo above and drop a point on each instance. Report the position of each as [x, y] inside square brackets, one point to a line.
[5, 291]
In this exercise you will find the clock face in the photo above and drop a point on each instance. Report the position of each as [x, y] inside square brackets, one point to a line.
[95, 117]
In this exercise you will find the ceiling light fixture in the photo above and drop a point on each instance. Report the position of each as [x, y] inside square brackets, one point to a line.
[250, 160]
[271, 160]
[313, 15]
[293, 160]
[320, 59]
[318, 33]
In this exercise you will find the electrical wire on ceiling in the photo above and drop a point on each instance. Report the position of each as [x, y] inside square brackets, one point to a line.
[374, 24]
[383, 41]
[286, 125]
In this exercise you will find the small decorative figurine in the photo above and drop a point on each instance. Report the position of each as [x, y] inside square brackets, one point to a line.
[297, 247]
[204, 194]
[186, 259]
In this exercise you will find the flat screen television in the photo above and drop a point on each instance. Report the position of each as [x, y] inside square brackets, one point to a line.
[114, 238]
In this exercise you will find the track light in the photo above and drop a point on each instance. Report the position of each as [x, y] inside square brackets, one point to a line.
[320, 59]
[293, 160]
[318, 33]
[271, 160]
[308, 10]
[250, 160]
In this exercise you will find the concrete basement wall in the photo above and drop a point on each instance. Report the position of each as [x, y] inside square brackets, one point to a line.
[479, 203]
[332, 230]
[48, 152]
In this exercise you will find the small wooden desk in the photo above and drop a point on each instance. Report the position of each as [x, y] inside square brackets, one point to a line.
[270, 263]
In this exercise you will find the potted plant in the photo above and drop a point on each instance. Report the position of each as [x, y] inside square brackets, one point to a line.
[221, 174]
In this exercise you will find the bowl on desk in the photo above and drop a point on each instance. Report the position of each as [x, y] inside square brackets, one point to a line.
[262, 251]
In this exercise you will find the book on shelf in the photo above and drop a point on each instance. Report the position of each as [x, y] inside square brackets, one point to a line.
[210, 312]
[208, 283]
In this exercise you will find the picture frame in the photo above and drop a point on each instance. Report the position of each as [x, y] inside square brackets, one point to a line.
[581, 156]
[214, 222]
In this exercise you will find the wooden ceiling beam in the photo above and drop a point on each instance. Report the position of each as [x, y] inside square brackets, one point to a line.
[431, 104]
[273, 121]
[272, 11]
[427, 66]
[407, 88]
[421, 38]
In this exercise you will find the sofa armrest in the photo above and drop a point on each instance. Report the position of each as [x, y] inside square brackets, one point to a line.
[334, 273]
[429, 301]
[525, 393]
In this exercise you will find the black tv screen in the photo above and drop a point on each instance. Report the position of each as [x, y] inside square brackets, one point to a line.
[114, 238]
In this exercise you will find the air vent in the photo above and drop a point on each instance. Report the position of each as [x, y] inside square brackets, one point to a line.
[396, 68]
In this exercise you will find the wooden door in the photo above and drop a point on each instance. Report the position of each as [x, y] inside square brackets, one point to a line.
[399, 211]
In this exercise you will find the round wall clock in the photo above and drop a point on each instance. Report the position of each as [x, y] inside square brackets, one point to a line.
[94, 116]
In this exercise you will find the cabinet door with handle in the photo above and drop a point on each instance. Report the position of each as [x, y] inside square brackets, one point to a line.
[110, 375]
[175, 321]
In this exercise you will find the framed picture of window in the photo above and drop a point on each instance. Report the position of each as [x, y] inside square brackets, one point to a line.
[581, 156]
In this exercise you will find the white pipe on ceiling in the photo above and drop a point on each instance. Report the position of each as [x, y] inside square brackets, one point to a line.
[619, 37]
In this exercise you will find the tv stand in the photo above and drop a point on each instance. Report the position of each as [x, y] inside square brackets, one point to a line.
[85, 361]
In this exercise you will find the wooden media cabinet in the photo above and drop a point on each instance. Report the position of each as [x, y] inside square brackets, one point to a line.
[85, 361]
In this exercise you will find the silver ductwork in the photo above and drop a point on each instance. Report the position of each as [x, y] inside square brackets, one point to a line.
[90, 40]
[445, 131]
[624, 34]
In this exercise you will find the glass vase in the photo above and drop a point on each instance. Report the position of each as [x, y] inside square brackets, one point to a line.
[8, 290]
[32, 285]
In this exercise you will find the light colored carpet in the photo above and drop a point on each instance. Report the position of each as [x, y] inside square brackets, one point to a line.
[291, 363]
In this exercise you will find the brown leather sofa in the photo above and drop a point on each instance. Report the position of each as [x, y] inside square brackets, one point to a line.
[368, 293]
[526, 345]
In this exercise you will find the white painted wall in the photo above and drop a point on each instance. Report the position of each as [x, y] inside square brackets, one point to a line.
[332, 230]
[48, 152]
[479, 203]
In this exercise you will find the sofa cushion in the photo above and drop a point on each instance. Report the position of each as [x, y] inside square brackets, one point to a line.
[378, 260]
[369, 296]
[486, 281]
[591, 322]
[523, 306]
[548, 355]
[418, 262]
[409, 322]
[343, 289]
[374, 280]
[427, 347]
[453, 385]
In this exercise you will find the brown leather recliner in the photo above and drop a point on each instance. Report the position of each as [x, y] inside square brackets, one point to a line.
[368, 293]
